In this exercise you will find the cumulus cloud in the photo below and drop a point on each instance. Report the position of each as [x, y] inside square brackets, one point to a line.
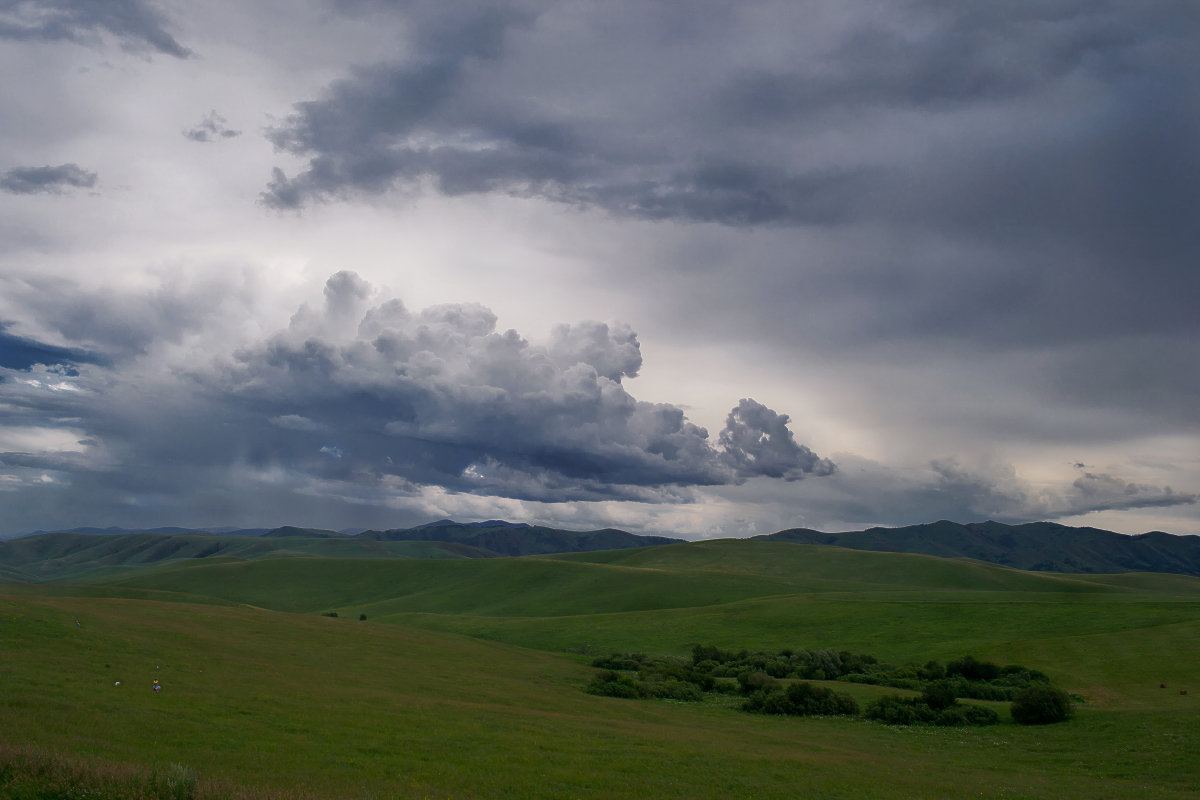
[440, 396]
[756, 441]
[138, 25]
[369, 400]
[47, 179]
[210, 129]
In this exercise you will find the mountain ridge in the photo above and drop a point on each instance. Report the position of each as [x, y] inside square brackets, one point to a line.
[1034, 546]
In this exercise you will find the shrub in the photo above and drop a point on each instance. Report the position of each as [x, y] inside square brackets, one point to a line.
[613, 684]
[932, 671]
[802, 700]
[671, 689]
[960, 714]
[896, 710]
[750, 681]
[939, 695]
[632, 661]
[1041, 704]
[973, 669]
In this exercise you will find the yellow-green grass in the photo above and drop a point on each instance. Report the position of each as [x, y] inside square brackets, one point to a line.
[258, 701]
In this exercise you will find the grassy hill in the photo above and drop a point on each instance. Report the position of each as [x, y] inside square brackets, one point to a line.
[1042, 546]
[88, 552]
[473, 688]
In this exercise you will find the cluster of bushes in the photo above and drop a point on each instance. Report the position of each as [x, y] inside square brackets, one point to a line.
[609, 683]
[758, 676]
[800, 699]
[972, 678]
[937, 705]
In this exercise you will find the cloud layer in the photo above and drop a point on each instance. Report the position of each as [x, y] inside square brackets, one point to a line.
[877, 265]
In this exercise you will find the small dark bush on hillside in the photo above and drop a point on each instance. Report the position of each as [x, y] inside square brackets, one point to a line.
[1041, 704]
[671, 689]
[751, 682]
[613, 684]
[329, 614]
[973, 669]
[801, 699]
[895, 710]
[961, 714]
[632, 661]
[362, 617]
[932, 671]
[939, 695]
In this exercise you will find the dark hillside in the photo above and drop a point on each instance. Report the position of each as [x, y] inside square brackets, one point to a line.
[507, 539]
[1039, 546]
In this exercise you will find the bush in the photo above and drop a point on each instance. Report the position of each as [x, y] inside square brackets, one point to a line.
[801, 700]
[1041, 704]
[671, 689]
[896, 710]
[973, 669]
[939, 695]
[613, 684]
[961, 714]
[751, 682]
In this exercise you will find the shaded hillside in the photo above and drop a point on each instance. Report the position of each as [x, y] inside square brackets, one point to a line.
[518, 539]
[66, 556]
[1039, 546]
[70, 556]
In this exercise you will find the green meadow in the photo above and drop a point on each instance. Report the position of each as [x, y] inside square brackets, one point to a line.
[466, 677]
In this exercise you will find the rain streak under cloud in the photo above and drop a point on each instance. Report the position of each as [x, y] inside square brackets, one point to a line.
[860, 266]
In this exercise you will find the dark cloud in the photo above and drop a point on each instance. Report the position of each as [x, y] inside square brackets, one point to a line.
[441, 397]
[756, 441]
[744, 146]
[121, 324]
[46, 180]
[22, 353]
[378, 400]
[137, 24]
[210, 129]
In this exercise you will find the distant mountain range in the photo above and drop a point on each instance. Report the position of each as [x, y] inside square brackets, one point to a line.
[1038, 546]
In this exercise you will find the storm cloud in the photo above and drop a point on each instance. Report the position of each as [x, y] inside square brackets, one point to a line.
[380, 396]
[47, 179]
[138, 25]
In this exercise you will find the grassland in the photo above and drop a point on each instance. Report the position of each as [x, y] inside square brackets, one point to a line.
[466, 678]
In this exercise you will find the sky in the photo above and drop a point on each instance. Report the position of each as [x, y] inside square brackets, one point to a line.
[699, 269]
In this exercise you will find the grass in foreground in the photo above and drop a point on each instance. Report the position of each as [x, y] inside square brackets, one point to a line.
[266, 704]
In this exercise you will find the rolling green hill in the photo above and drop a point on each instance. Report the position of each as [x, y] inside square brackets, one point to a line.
[472, 686]
[73, 555]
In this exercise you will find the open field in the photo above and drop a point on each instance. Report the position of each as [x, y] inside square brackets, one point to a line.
[263, 695]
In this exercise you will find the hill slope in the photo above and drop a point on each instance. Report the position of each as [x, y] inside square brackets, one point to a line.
[1039, 546]
[63, 556]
